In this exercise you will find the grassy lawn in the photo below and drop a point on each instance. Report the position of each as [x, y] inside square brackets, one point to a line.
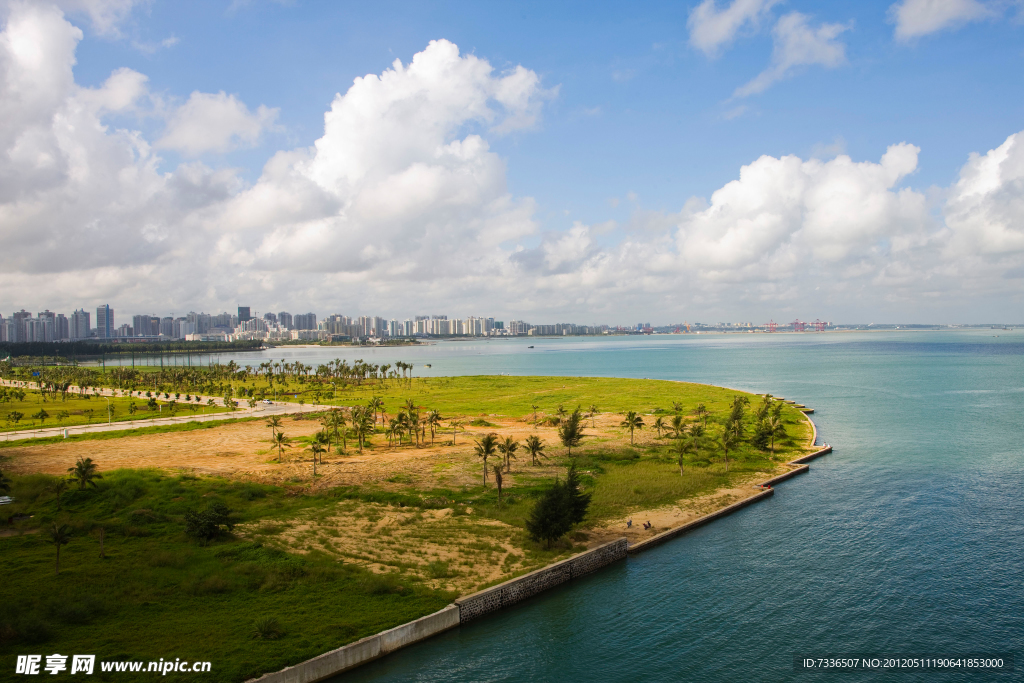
[80, 409]
[159, 594]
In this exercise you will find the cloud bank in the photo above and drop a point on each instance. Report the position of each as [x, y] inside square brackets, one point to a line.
[401, 206]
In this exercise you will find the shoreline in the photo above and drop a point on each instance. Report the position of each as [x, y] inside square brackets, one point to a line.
[516, 589]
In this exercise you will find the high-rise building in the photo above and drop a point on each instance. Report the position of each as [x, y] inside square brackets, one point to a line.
[8, 330]
[284, 319]
[105, 322]
[167, 327]
[270, 318]
[61, 328]
[243, 314]
[140, 325]
[79, 325]
[19, 323]
[306, 321]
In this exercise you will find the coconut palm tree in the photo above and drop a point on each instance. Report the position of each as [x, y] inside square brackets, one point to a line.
[632, 421]
[682, 448]
[702, 414]
[454, 424]
[59, 535]
[678, 425]
[593, 411]
[535, 446]
[57, 487]
[535, 407]
[659, 424]
[434, 421]
[728, 440]
[317, 450]
[508, 448]
[775, 428]
[485, 448]
[280, 442]
[375, 404]
[84, 473]
[498, 480]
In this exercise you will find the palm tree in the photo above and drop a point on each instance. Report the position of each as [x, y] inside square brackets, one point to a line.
[535, 407]
[57, 487]
[498, 480]
[84, 473]
[280, 442]
[659, 424]
[535, 446]
[682, 448]
[677, 407]
[593, 411]
[775, 427]
[561, 411]
[728, 440]
[316, 449]
[485, 448]
[702, 414]
[434, 420]
[677, 424]
[59, 535]
[508, 448]
[376, 403]
[454, 424]
[631, 422]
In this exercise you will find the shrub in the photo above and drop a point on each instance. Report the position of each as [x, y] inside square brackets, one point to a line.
[267, 628]
[205, 525]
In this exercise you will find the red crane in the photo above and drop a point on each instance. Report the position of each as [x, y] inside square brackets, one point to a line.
[798, 325]
[772, 326]
[819, 326]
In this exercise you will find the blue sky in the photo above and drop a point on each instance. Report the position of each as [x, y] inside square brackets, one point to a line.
[634, 117]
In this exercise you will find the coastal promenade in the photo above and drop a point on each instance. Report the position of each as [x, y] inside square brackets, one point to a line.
[260, 410]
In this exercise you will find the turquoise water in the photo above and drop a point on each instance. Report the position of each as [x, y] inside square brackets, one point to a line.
[908, 539]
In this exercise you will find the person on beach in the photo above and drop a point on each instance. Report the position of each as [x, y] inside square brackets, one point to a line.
[629, 523]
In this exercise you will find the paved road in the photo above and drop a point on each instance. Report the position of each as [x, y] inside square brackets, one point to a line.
[261, 410]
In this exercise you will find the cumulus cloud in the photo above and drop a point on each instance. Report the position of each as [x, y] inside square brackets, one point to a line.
[215, 122]
[916, 18]
[402, 205]
[796, 43]
[712, 28]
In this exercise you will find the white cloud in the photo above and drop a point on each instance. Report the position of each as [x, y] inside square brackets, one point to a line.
[215, 122]
[916, 18]
[402, 206]
[106, 16]
[712, 28]
[796, 44]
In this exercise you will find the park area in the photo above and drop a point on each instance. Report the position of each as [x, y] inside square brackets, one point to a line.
[394, 523]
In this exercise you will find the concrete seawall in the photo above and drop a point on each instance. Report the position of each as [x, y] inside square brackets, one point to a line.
[515, 590]
[362, 651]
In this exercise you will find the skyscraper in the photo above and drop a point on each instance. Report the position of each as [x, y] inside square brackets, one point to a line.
[243, 314]
[284, 318]
[105, 322]
[79, 324]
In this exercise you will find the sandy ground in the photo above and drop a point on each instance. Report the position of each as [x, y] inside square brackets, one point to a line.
[446, 548]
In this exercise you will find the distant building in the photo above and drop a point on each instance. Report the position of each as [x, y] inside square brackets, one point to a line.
[167, 327]
[243, 314]
[104, 322]
[79, 325]
[305, 321]
[284, 319]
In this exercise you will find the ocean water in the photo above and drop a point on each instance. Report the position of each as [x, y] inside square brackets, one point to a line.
[908, 539]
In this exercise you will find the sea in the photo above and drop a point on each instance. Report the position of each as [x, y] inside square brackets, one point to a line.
[906, 542]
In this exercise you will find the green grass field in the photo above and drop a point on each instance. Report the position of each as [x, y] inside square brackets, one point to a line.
[81, 410]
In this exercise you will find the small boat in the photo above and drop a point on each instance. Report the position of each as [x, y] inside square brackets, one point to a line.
[429, 365]
[529, 347]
